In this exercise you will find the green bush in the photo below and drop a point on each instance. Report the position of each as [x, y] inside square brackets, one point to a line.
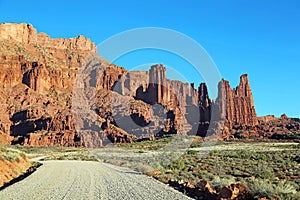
[264, 171]
[192, 152]
[263, 188]
[10, 154]
[262, 157]
[218, 183]
[178, 165]
[157, 166]
[143, 168]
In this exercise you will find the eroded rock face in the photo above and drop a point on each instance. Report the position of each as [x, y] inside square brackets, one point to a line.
[234, 191]
[204, 103]
[179, 100]
[23, 33]
[203, 190]
[136, 81]
[41, 78]
[67, 138]
[37, 80]
[235, 106]
[27, 34]
[12, 70]
[157, 89]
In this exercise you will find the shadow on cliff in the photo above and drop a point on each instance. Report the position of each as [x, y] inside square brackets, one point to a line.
[22, 126]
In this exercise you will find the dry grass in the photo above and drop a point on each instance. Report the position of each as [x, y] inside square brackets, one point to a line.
[267, 169]
[13, 163]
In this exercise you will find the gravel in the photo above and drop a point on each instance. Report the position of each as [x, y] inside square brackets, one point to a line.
[87, 180]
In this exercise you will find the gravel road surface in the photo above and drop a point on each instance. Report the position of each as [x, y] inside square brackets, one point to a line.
[87, 180]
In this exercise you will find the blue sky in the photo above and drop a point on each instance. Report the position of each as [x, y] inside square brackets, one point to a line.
[261, 38]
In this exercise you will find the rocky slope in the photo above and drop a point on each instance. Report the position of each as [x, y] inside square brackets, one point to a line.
[13, 163]
[60, 92]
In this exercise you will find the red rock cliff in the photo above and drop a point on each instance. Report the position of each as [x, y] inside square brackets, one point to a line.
[235, 106]
[38, 89]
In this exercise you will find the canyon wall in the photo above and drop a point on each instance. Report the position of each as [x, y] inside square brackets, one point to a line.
[235, 106]
[42, 79]
[27, 34]
[37, 80]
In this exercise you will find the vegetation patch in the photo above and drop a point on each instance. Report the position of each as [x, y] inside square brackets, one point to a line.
[83, 155]
[13, 164]
[274, 174]
[265, 169]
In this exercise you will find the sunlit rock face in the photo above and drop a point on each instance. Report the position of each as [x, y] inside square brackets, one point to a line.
[60, 92]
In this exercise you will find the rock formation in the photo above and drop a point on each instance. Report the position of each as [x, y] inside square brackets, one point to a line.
[60, 92]
[27, 34]
[204, 103]
[23, 33]
[203, 190]
[37, 80]
[236, 106]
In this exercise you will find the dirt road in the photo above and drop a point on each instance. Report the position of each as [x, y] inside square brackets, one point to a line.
[87, 180]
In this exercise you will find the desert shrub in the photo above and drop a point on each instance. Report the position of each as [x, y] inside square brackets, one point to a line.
[178, 165]
[192, 152]
[10, 154]
[246, 154]
[262, 157]
[262, 188]
[295, 196]
[143, 168]
[78, 155]
[237, 173]
[218, 183]
[264, 171]
[214, 153]
[285, 188]
[157, 165]
[195, 145]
